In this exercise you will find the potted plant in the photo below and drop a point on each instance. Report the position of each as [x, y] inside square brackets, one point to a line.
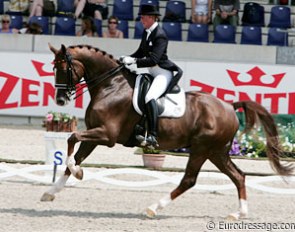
[152, 158]
[60, 122]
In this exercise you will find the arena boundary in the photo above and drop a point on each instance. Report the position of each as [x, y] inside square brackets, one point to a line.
[41, 174]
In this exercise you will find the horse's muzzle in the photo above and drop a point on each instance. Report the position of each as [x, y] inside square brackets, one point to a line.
[61, 98]
[61, 101]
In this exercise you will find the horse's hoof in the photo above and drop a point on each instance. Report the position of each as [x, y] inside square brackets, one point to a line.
[47, 197]
[150, 213]
[79, 174]
[233, 217]
[236, 216]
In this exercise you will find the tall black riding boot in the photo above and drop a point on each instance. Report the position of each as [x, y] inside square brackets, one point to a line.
[152, 119]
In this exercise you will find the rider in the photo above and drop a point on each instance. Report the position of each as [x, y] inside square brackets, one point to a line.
[152, 53]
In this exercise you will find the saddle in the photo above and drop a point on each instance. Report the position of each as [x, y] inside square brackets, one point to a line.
[170, 104]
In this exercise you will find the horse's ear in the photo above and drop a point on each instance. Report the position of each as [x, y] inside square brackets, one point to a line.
[63, 49]
[54, 50]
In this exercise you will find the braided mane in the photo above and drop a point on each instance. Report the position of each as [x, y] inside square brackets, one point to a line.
[92, 49]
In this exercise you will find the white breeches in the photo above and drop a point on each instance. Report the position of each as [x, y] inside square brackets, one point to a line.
[162, 78]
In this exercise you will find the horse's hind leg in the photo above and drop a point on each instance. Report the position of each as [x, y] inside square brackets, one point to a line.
[84, 150]
[189, 180]
[225, 165]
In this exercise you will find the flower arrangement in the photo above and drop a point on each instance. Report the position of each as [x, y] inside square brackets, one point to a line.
[254, 144]
[60, 122]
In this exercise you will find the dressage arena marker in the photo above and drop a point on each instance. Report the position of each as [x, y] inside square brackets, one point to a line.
[53, 154]
[160, 178]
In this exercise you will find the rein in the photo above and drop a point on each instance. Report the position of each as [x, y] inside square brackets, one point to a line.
[100, 79]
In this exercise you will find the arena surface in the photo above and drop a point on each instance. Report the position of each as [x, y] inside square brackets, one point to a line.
[96, 206]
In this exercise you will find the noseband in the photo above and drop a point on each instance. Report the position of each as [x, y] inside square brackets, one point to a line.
[71, 87]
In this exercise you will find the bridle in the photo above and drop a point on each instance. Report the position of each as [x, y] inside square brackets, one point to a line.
[70, 86]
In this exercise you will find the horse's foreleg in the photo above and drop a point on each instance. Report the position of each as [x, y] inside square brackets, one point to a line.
[189, 180]
[84, 150]
[90, 139]
[225, 165]
[70, 161]
[57, 187]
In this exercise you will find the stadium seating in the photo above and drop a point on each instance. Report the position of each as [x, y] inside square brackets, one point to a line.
[253, 15]
[224, 34]
[124, 27]
[251, 35]
[138, 30]
[150, 2]
[16, 21]
[198, 33]
[42, 21]
[173, 30]
[175, 11]
[123, 9]
[98, 25]
[65, 26]
[1, 6]
[277, 37]
[280, 17]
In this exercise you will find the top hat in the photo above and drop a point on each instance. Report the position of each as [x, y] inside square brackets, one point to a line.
[148, 10]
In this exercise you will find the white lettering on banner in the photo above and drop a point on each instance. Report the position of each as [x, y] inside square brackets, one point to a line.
[27, 87]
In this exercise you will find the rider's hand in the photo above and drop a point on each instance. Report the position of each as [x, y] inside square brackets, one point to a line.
[128, 60]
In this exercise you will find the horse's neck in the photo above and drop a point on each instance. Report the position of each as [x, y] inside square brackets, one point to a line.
[97, 65]
[94, 68]
[130, 77]
[122, 80]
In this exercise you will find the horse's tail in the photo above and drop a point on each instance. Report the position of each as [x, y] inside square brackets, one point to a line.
[254, 111]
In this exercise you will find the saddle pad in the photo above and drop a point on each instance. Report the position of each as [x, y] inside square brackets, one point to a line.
[173, 104]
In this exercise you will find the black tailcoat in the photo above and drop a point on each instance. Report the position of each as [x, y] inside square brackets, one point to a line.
[153, 51]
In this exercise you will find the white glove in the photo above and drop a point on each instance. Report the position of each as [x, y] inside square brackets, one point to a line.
[128, 60]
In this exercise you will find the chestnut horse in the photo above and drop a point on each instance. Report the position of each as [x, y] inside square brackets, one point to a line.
[207, 127]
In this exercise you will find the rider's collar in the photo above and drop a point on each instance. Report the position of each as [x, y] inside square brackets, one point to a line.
[150, 30]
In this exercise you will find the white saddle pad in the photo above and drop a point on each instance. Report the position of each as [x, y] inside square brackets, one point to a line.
[174, 104]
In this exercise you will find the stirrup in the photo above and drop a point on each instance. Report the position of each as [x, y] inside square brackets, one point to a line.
[141, 139]
[152, 142]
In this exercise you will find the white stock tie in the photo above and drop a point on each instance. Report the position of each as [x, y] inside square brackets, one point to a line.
[148, 33]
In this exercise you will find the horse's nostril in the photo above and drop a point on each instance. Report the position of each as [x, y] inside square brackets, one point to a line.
[61, 102]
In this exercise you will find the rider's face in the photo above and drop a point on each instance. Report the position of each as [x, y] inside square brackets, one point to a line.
[147, 20]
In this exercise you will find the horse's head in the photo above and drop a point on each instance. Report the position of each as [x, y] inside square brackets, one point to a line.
[67, 72]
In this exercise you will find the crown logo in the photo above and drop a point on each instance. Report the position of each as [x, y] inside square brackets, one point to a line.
[40, 69]
[256, 78]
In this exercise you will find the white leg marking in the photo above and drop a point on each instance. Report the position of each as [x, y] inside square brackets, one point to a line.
[243, 208]
[71, 164]
[152, 210]
[59, 185]
[242, 212]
